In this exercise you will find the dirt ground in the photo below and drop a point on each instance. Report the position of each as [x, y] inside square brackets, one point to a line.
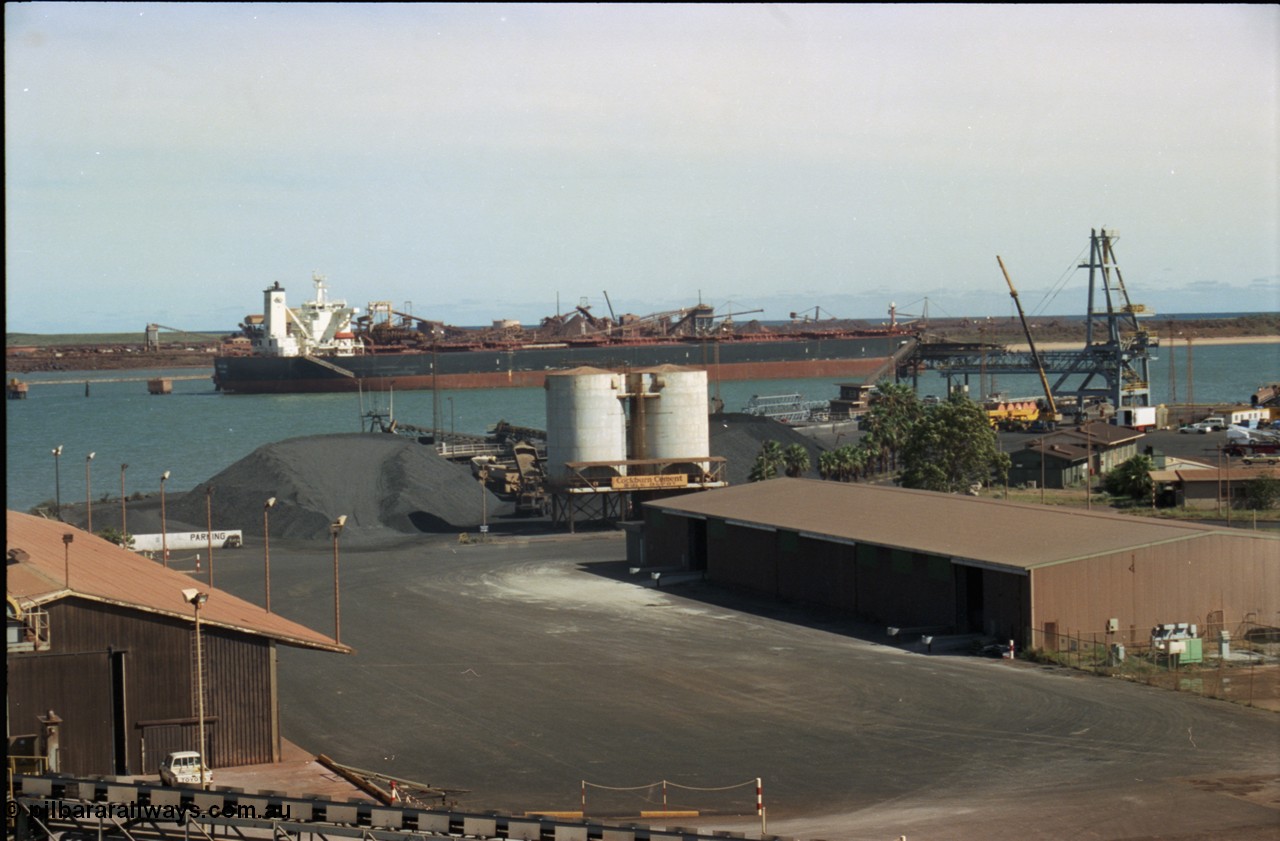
[1254, 686]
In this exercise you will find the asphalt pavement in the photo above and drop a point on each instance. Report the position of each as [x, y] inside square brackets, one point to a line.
[522, 668]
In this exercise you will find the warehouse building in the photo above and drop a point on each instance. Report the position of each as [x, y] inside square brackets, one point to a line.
[964, 565]
[102, 658]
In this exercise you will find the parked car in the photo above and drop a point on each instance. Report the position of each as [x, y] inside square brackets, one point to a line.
[183, 767]
[1194, 428]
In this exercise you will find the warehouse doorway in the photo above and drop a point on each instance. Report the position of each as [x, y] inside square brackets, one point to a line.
[698, 545]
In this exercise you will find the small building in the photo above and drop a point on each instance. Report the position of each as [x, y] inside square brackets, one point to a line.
[854, 400]
[1050, 464]
[1066, 458]
[102, 658]
[959, 564]
[1110, 445]
[1241, 415]
[1209, 487]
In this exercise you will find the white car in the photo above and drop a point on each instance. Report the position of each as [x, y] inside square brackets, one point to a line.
[183, 767]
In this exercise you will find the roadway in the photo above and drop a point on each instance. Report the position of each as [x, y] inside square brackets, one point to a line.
[519, 668]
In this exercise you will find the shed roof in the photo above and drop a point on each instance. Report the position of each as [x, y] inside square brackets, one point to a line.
[36, 566]
[983, 531]
[1243, 473]
[1108, 434]
[1063, 451]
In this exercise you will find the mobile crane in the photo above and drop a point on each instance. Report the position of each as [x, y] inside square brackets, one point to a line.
[1050, 416]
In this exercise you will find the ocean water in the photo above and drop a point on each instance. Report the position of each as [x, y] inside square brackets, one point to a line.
[196, 432]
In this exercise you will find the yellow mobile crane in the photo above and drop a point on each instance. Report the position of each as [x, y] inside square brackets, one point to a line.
[1050, 416]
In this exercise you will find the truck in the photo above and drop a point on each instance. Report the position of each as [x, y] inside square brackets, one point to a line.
[183, 767]
[224, 539]
[1253, 446]
[1141, 418]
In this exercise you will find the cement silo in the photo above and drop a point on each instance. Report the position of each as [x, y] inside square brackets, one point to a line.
[674, 413]
[585, 421]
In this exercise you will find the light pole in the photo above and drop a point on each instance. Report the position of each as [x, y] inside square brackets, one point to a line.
[88, 494]
[66, 558]
[335, 529]
[57, 479]
[124, 514]
[266, 545]
[164, 534]
[484, 505]
[195, 598]
[208, 524]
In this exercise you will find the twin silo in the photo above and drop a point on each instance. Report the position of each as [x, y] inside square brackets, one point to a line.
[651, 414]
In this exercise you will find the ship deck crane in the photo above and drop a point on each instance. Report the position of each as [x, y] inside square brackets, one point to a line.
[1054, 417]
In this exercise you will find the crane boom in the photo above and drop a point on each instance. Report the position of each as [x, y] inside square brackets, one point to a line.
[202, 336]
[1035, 355]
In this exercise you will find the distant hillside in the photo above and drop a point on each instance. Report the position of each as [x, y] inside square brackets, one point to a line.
[44, 340]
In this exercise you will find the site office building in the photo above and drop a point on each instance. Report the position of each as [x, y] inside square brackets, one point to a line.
[101, 658]
[909, 558]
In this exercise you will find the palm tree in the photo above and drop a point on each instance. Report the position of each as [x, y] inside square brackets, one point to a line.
[846, 463]
[796, 460]
[771, 451]
[860, 457]
[762, 469]
[828, 464]
[894, 411]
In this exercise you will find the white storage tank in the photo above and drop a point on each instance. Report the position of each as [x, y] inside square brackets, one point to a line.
[675, 424]
[585, 420]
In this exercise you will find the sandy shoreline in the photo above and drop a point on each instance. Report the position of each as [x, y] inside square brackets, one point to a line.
[1166, 342]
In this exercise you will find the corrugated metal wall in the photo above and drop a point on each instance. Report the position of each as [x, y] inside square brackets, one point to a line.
[240, 695]
[74, 679]
[666, 538]
[873, 583]
[75, 686]
[1181, 581]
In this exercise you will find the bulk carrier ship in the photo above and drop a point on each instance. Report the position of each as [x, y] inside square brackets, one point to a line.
[326, 346]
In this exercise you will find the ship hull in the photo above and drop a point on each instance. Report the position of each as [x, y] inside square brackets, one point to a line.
[526, 367]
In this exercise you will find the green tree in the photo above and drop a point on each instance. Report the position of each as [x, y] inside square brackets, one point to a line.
[117, 537]
[828, 465]
[847, 463]
[768, 462]
[892, 412]
[762, 470]
[1131, 478]
[1262, 493]
[951, 448]
[796, 460]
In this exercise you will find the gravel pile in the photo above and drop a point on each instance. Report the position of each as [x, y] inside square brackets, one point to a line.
[389, 484]
[739, 437]
[383, 483]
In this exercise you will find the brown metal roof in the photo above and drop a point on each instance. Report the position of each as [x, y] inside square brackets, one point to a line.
[1242, 473]
[102, 571]
[1062, 451]
[1106, 433]
[963, 527]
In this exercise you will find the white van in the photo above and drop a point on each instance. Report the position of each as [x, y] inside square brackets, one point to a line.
[183, 767]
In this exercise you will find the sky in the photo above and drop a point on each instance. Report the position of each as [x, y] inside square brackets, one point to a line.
[167, 162]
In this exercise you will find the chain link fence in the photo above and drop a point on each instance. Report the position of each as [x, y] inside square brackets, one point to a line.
[1238, 662]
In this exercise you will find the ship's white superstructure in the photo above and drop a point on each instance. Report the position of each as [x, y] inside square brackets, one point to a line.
[320, 327]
